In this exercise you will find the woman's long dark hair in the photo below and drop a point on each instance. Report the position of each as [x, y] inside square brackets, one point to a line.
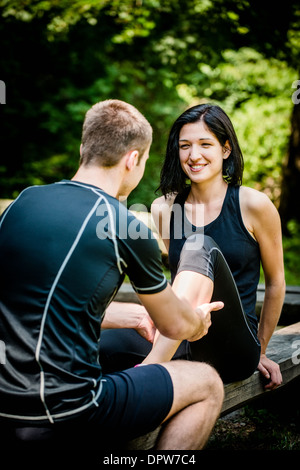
[172, 178]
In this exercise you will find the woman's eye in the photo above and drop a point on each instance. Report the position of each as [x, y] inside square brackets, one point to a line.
[184, 146]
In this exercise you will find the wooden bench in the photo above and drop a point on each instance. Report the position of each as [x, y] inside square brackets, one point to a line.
[284, 348]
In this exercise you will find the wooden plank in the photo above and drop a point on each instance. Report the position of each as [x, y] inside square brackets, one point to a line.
[4, 203]
[290, 312]
[293, 329]
[145, 442]
[126, 293]
[281, 349]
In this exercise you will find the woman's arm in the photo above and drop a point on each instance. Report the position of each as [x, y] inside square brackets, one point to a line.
[161, 213]
[263, 222]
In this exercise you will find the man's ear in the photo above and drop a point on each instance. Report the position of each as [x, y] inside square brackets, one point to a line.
[132, 159]
[226, 150]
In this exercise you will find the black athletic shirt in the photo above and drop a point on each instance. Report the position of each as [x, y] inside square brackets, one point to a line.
[64, 251]
[240, 250]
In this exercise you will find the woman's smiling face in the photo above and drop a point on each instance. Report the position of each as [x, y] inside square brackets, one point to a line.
[201, 154]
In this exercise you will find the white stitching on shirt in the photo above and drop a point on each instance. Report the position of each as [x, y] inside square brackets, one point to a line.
[42, 326]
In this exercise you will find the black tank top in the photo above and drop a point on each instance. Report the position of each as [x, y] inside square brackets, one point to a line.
[240, 250]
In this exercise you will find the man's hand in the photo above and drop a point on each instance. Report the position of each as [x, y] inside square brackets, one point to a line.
[204, 311]
[270, 371]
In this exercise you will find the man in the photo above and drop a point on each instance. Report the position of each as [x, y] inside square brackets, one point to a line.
[63, 258]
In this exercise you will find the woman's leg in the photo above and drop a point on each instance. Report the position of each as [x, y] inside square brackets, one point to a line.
[122, 348]
[197, 289]
[230, 345]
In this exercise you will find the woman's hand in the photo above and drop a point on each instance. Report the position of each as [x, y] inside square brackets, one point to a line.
[271, 371]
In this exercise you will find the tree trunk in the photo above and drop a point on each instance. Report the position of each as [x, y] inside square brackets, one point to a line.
[289, 207]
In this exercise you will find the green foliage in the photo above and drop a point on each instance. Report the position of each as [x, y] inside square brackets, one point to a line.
[291, 248]
[259, 103]
[60, 57]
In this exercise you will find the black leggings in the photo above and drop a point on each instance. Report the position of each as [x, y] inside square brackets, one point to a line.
[230, 346]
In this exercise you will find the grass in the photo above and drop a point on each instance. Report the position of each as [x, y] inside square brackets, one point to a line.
[269, 424]
[255, 430]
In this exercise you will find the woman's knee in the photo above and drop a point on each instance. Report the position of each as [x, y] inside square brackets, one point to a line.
[200, 241]
[199, 254]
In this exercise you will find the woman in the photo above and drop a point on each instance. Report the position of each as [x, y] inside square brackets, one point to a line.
[219, 257]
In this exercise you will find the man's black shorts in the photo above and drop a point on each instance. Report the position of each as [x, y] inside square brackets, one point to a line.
[133, 402]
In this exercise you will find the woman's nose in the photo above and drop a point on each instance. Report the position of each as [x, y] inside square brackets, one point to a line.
[195, 153]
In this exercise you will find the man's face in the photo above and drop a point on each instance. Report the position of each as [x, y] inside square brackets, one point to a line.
[141, 165]
[135, 175]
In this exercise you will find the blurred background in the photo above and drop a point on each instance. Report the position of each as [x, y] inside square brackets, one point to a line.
[59, 57]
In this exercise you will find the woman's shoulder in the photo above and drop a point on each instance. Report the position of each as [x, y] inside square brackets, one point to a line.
[167, 200]
[258, 212]
[254, 200]
[257, 208]
[161, 213]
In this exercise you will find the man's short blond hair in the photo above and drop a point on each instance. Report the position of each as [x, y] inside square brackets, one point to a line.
[111, 129]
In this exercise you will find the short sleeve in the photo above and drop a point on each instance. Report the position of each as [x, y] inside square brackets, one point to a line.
[141, 254]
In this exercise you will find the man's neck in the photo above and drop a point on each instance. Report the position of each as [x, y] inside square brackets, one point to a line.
[108, 179]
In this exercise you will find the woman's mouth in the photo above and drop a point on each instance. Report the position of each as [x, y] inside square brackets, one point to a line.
[197, 168]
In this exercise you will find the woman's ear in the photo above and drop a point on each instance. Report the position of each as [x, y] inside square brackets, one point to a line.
[226, 150]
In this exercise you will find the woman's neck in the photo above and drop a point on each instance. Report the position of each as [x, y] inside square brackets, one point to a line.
[204, 203]
[202, 193]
